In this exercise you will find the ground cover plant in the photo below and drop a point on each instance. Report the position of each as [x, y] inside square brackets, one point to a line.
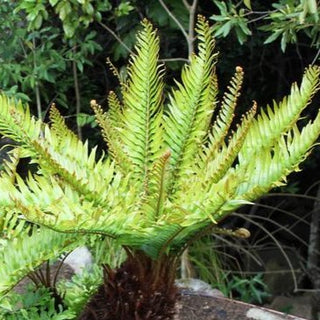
[174, 168]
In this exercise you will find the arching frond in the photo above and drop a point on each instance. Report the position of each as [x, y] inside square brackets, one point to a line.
[66, 159]
[271, 166]
[221, 126]
[26, 252]
[62, 208]
[191, 106]
[224, 158]
[208, 204]
[272, 124]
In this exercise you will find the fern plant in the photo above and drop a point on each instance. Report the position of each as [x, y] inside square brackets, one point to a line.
[173, 170]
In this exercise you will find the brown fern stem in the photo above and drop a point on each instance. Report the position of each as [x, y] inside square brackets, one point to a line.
[140, 289]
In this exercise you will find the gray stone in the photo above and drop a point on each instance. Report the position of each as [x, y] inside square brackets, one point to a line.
[79, 259]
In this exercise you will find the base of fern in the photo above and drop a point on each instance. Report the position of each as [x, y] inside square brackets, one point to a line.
[140, 289]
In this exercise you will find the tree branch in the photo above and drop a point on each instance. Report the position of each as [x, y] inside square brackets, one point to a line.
[192, 14]
[77, 93]
[173, 17]
[186, 4]
[174, 59]
[116, 37]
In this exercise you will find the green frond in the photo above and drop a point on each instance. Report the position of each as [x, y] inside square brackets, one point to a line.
[153, 200]
[197, 204]
[16, 120]
[220, 163]
[58, 125]
[109, 124]
[142, 104]
[66, 159]
[191, 106]
[115, 71]
[26, 252]
[64, 168]
[271, 166]
[272, 124]
[58, 206]
[221, 126]
[115, 110]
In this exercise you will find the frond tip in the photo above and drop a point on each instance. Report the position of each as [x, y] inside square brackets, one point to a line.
[58, 124]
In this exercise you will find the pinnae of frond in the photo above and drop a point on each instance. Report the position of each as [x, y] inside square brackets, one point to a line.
[48, 162]
[114, 71]
[115, 110]
[190, 107]
[58, 125]
[142, 104]
[16, 120]
[12, 225]
[225, 117]
[159, 170]
[152, 201]
[221, 162]
[111, 135]
[206, 40]
[10, 165]
[271, 124]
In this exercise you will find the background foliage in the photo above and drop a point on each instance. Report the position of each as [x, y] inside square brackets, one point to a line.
[55, 51]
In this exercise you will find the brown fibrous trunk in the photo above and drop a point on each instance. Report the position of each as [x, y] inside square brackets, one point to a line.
[140, 289]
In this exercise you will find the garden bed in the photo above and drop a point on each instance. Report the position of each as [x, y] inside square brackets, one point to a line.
[200, 307]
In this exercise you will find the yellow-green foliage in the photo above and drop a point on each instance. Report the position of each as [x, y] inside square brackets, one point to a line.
[171, 169]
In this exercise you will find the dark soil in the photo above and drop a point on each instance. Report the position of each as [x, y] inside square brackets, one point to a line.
[199, 307]
[65, 272]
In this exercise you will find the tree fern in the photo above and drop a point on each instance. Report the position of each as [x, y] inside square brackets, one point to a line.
[171, 173]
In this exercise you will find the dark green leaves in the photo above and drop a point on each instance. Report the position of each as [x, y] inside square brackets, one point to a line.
[231, 19]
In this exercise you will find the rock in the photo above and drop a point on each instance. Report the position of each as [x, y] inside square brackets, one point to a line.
[79, 259]
[197, 286]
